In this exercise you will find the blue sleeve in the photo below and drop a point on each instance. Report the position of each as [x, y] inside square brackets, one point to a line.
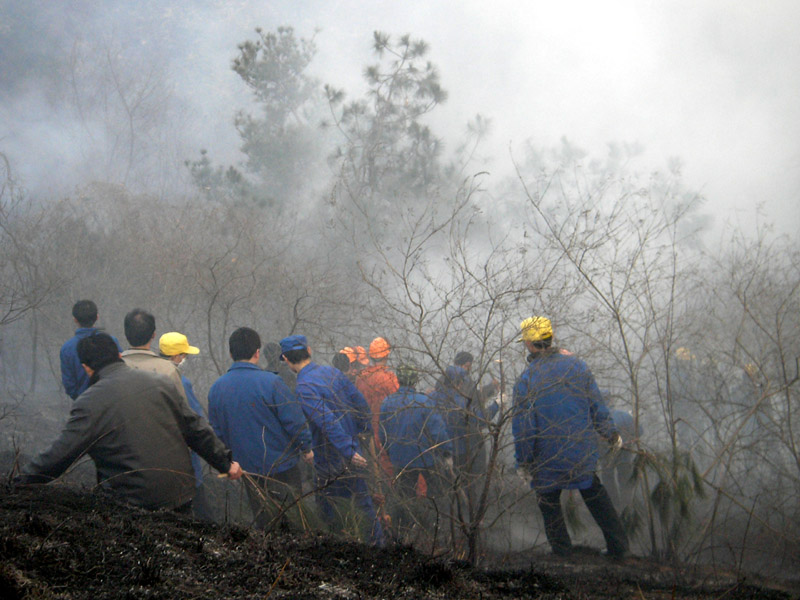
[437, 431]
[214, 417]
[524, 439]
[363, 414]
[75, 440]
[68, 373]
[291, 415]
[194, 404]
[323, 418]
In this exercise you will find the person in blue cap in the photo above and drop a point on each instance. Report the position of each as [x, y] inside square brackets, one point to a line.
[337, 414]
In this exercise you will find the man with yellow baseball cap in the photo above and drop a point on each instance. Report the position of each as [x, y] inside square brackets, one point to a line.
[558, 408]
[174, 347]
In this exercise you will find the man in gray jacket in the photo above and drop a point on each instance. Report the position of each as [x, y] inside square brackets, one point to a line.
[140, 330]
[136, 429]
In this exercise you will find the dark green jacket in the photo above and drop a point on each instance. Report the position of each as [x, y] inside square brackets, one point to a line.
[136, 428]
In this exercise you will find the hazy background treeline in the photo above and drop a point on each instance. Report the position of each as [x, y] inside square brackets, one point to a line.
[348, 214]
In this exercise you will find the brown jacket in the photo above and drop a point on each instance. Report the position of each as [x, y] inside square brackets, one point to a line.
[136, 429]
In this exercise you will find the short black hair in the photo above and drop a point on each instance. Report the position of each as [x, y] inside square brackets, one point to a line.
[140, 326]
[85, 312]
[296, 356]
[341, 362]
[463, 358]
[544, 343]
[243, 343]
[97, 351]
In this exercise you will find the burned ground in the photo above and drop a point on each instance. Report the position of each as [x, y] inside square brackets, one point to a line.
[60, 542]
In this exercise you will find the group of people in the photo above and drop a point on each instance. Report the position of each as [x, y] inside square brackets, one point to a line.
[366, 429]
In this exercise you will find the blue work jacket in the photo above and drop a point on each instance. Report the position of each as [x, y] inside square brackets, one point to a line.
[337, 413]
[258, 418]
[558, 412]
[73, 377]
[457, 400]
[411, 430]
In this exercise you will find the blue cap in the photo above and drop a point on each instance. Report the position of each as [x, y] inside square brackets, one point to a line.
[294, 342]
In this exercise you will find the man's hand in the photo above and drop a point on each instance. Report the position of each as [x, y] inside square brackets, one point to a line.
[235, 472]
[358, 461]
[448, 463]
[524, 473]
[308, 457]
[615, 441]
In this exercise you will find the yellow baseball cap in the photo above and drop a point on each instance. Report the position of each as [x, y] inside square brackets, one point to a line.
[173, 343]
[535, 329]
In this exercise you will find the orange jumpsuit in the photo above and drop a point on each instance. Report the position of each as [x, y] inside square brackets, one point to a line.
[375, 383]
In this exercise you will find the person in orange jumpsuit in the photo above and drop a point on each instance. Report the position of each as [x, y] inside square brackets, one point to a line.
[376, 382]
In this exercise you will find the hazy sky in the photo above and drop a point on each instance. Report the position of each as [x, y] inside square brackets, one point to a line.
[715, 83]
[712, 82]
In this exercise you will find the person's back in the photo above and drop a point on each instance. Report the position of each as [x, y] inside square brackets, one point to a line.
[375, 383]
[256, 415]
[326, 394]
[557, 414]
[260, 420]
[414, 436]
[410, 427]
[558, 410]
[337, 414]
[150, 464]
[140, 329]
[136, 442]
[73, 377]
[136, 428]
[462, 415]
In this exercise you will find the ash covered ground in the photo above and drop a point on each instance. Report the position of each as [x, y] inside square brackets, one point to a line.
[60, 541]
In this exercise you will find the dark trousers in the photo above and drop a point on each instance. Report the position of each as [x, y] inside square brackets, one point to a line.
[349, 485]
[271, 496]
[470, 474]
[601, 509]
[409, 509]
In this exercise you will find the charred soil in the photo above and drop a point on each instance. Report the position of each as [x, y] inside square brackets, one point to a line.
[58, 542]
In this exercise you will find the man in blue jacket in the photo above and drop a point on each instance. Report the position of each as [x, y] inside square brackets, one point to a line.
[414, 435]
[557, 410]
[337, 414]
[466, 414]
[258, 418]
[74, 378]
